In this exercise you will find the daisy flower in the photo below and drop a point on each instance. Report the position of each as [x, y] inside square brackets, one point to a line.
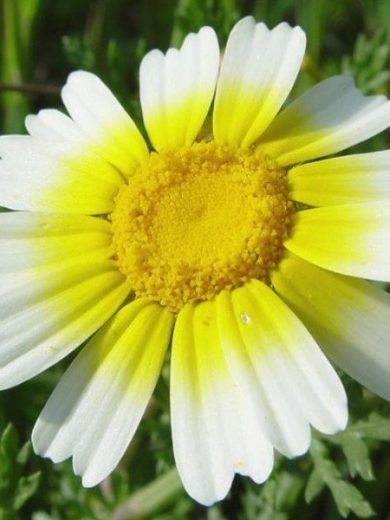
[235, 246]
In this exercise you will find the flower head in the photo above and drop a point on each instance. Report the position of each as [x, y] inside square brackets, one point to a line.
[232, 245]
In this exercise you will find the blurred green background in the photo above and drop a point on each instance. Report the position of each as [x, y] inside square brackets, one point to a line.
[41, 42]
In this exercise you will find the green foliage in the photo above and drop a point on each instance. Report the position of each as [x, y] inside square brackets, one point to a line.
[375, 427]
[357, 455]
[369, 62]
[190, 16]
[15, 487]
[276, 499]
[79, 53]
[356, 445]
[330, 473]
[353, 443]
[326, 473]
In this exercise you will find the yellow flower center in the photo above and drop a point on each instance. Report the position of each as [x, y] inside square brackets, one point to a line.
[194, 221]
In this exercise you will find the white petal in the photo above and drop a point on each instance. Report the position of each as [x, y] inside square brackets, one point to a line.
[214, 434]
[97, 112]
[286, 378]
[350, 318]
[258, 71]
[46, 312]
[53, 125]
[177, 88]
[94, 411]
[328, 118]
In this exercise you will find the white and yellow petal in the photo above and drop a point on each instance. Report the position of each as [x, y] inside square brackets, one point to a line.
[110, 130]
[30, 239]
[177, 88]
[214, 433]
[258, 71]
[57, 175]
[57, 295]
[351, 239]
[93, 413]
[326, 119]
[342, 180]
[350, 319]
[284, 375]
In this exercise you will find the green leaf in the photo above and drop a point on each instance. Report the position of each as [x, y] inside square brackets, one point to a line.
[190, 15]
[375, 427]
[369, 61]
[347, 497]
[24, 453]
[79, 53]
[358, 457]
[27, 486]
[9, 443]
[314, 485]
[8, 452]
[275, 499]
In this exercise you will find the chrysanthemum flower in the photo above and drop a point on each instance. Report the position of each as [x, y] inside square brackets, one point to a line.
[229, 243]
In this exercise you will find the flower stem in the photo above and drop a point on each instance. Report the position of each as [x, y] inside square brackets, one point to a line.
[152, 498]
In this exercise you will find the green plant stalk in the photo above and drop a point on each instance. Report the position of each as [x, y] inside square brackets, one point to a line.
[310, 15]
[152, 498]
[14, 105]
[16, 38]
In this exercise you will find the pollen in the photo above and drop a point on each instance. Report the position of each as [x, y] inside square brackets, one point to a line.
[196, 220]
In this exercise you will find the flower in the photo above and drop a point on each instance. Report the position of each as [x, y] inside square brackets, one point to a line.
[233, 242]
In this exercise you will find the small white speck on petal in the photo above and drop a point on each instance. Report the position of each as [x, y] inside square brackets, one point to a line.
[245, 318]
